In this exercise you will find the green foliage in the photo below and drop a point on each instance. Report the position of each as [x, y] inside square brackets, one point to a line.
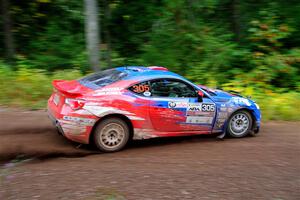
[249, 46]
[271, 63]
[28, 87]
[279, 106]
[50, 33]
[275, 103]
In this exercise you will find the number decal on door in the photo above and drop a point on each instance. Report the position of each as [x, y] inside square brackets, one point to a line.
[208, 107]
[140, 88]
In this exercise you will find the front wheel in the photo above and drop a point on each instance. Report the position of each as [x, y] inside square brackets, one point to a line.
[111, 135]
[239, 124]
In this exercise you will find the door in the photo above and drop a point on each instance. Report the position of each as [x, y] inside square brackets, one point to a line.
[174, 107]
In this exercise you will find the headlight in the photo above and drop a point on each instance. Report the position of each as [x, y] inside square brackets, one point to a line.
[257, 106]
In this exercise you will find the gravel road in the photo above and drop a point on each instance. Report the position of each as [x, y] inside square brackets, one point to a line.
[197, 167]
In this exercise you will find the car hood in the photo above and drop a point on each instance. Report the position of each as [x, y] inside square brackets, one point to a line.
[222, 96]
[219, 95]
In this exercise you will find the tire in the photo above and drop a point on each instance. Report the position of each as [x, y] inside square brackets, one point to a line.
[239, 124]
[111, 135]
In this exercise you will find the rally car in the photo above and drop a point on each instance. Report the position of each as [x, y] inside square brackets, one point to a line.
[111, 107]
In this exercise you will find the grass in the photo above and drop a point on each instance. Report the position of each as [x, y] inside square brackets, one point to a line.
[31, 88]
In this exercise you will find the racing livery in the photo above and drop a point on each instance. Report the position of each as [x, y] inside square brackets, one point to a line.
[111, 107]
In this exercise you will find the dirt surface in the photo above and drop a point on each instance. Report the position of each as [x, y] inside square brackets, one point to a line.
[198, 167]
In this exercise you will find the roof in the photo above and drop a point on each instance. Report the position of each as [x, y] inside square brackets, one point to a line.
[144, 73]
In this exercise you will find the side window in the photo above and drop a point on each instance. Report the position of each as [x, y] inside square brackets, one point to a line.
[171, 88]
[142, 88]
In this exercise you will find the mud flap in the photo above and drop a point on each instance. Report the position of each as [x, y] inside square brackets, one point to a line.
[221, 136]
[55, 122]
[254, 131]
[59, 128]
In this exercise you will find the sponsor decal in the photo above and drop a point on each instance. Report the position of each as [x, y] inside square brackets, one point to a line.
[220, 123]
[73, 129]
[222, 115]
[239, 100]
[80, 120]
[194, 107]
[221, 120]
[199, 120]
[147, 94]
[223, 109]
[174, 104]
[109, 91]
[201, 107]
[199, 113]
[230, 110]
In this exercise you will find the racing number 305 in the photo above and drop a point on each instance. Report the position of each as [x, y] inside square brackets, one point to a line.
[208, 107]
[141, 88]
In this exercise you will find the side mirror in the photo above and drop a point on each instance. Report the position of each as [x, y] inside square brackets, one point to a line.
[200, 95]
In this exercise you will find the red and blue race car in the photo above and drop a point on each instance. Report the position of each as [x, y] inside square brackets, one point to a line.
[111, 107]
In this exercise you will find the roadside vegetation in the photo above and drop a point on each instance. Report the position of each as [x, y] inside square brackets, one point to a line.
[246, 46]
[30, 88]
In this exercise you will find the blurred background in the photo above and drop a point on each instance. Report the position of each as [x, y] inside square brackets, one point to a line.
[249, 46]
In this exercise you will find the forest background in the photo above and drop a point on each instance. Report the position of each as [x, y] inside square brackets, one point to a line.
[249, 46]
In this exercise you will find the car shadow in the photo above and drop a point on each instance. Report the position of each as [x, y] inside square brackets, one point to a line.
[161, 141]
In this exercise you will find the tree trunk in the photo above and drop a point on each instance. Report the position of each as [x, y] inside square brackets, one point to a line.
[92, 33]
[235, 18]
[7, 29]
[107, 33]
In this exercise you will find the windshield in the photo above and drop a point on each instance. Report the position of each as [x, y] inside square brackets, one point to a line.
[101, 79]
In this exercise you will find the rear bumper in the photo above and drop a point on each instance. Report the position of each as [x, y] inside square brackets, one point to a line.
[55, 122]
[74, 125]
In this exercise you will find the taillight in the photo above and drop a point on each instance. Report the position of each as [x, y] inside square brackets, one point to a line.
[75, 104]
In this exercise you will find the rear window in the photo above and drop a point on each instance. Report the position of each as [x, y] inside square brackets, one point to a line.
[101, 79]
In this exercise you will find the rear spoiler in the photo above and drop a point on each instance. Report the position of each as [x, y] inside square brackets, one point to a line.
[158, 68]
[71, 88]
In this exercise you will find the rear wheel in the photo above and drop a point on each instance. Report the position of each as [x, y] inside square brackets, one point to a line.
[112, 134]
[239, 124]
